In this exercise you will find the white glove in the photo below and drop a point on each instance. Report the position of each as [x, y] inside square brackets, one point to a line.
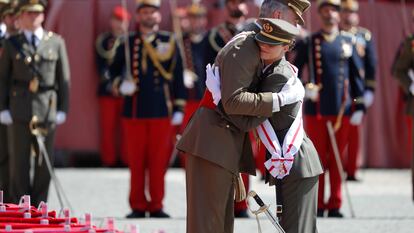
[213, 82]
[312, 93]
[177, 118]
[292, 92]
[356, 118]
[5, 117]
[60, 117]
[189, 78]
[128, 87]
[368, 98]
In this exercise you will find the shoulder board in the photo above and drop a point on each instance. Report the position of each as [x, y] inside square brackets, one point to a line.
[285, 69]
[365, 32]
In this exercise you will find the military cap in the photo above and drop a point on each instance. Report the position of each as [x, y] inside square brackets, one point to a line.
[148, 3]
[10, 8]
[276, 31]
[299, 7]
[121, 13]
[335, 3]
[350, 5]
[196, 9]
[31, 5]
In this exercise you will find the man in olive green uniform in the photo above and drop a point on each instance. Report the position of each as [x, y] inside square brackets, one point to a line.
[34, 82]
[214, 147]
[4, 154]
[403, 71]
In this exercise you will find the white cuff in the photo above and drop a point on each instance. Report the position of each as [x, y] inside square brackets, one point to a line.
[276, 104]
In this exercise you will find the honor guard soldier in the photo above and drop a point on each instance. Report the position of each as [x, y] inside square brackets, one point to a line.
[154, 100]
[334, 86]
[194, 48]
[403, 71]
[221, 34]
[34, 82]
[109, 100]
[366, 52]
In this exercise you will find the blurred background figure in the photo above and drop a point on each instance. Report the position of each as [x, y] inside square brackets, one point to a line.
[112, 149]
[34, 91]
[194, 44]
[403, 71]
[4, 153]
[154, 101]
[365, 49]
[335, 85]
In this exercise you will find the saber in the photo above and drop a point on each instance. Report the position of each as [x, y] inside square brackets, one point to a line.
[39, 134]
[265, 209]
[331, 132]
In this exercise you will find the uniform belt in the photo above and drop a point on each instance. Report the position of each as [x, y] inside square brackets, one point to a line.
[207, 100]
[25, 84]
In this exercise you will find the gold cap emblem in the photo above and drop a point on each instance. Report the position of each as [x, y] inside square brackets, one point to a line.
[267, 28]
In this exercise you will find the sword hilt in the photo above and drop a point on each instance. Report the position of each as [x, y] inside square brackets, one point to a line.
[256, 197]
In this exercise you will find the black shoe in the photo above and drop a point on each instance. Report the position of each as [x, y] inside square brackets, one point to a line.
[334, 213]
[159, 214]
[241, 214]
[320, 213]
[136, 214]
[352, 178]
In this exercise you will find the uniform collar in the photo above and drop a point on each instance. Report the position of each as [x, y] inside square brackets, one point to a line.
[39, 33]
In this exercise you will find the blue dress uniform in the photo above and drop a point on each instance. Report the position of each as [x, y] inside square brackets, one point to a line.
[336, 69]
[110, 105]
[194, 50]
[157, 70]
[366, 52]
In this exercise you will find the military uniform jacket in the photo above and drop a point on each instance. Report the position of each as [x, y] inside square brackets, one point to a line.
[365, 49]
[51, 62]
[403, 63]
[306, 163]
[195, 55]
[336, 67]
[157, 68]
[209, 135]
[106, 45]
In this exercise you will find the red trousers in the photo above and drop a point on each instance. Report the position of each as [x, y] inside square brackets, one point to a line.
[354, 149]
[110, 124]
[147, 147]
[318, 133]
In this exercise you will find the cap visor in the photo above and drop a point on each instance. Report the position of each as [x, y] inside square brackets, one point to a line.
[33, 8]
[266, 40]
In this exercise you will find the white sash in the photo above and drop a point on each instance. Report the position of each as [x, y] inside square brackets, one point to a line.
[281, 162]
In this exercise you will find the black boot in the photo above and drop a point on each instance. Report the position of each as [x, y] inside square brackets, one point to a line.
[334, 213]
[159, 214]
[320, 213]
[136, 214]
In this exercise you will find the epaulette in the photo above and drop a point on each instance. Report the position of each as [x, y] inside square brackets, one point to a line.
[365, 32]
[348, 35]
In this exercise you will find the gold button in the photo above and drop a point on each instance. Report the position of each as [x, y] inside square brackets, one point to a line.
[156, 81]
[156, 73]
[318, 63]
[319, 71]
[317, 41]
[227, 126]
[318, 48]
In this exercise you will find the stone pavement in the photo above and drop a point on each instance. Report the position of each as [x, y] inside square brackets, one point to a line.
[382, 201]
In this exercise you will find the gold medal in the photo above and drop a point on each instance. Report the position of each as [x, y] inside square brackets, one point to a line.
[34, 85]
